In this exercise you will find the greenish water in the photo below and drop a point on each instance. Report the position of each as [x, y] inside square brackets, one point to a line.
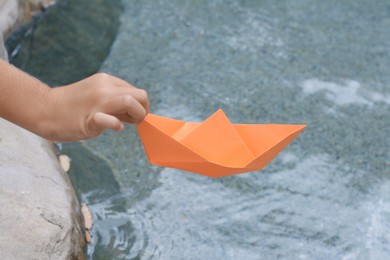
[67, 42]
[321, 63]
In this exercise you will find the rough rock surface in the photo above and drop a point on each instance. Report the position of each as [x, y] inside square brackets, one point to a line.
[39, 217]
[3, 51]
[10, 13]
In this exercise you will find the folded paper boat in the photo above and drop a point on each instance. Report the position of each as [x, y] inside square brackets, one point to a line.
[214, 148]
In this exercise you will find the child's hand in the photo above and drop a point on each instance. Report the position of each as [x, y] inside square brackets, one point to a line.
[78, 111]
[86, 108]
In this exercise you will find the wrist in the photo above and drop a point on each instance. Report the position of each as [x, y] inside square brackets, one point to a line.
[47, 125]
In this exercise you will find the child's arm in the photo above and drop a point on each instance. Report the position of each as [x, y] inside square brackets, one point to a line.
[78, 111]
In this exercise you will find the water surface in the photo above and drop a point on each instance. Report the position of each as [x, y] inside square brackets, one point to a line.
[321, 63]
[327, 196]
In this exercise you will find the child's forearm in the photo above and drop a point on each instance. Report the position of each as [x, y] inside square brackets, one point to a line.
[22, 98]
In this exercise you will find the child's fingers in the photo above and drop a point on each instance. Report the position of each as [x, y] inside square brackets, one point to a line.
[119, 87]
[142, 97]
[125, 105]
[125, 118]
[139, 94]
[101, 121]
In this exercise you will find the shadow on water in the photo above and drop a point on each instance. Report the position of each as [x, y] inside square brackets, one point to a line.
[68, 42]
[324, 63]
[90, 173]
[96, 186]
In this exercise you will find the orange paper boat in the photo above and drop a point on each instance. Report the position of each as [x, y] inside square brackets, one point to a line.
[214, 148]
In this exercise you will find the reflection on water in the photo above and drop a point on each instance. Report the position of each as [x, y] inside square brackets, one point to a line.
[321, 63]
